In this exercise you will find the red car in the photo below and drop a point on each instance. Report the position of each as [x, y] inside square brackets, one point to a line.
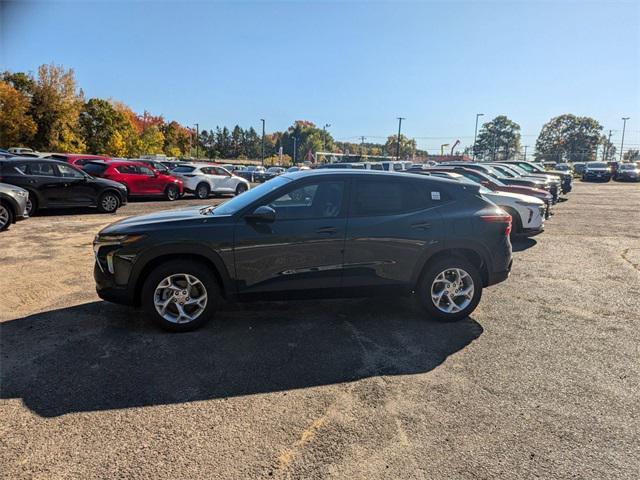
[140, 179]
[77, 159]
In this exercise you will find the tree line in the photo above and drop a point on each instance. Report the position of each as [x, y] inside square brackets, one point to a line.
[49, 112]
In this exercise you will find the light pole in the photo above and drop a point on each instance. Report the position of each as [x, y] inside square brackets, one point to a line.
[197, 136]
[475, 134]
[398, 140]
[262, 152]
[624, 126]
[324, 143]
[295, 148]
[525, 152]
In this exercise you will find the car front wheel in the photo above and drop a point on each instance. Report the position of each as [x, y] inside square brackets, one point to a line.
[241, 188]
[450, 289]
[172, 193]
[180, 296]
[108, 202]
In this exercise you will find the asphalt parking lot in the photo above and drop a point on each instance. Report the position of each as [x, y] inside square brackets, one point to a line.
[542, 382]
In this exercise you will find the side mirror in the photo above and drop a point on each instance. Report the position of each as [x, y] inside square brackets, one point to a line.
[263, 213]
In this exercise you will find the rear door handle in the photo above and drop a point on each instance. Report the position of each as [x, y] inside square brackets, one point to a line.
[327, 230]
[421, 225]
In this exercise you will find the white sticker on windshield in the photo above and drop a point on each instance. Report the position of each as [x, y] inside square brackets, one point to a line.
[435, 195]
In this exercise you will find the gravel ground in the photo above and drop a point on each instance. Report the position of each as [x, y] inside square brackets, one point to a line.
[542, 382]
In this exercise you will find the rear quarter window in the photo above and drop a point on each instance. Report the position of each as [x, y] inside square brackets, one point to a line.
[184, 169]
[94, 169]
[383, 197]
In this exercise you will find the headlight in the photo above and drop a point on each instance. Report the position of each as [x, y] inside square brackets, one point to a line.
[20, 193]
[112, 241]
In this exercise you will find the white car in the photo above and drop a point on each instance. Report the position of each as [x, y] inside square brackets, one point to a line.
[20, 150]
[203, 179]
[527, 212]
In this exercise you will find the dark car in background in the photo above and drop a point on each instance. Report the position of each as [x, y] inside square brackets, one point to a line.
[310, 234]
[578, 168]
[509, 180]
[13, 205]
[52, 183]
[566, 178]
[627, 172]
[596, 172]
[264, 175]
[77, 159]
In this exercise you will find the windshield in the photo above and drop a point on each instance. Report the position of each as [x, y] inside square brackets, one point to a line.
[468, 181]
[629, 166]
[597, 165]
[241, 201]
[517, 169]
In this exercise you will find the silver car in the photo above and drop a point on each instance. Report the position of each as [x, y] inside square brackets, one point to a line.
[13, 205]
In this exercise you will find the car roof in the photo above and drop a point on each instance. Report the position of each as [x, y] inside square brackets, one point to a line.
[357, 172]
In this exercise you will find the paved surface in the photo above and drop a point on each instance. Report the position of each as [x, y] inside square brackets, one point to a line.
[542, 382]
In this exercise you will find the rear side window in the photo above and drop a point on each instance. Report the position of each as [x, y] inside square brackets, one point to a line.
[42, 169]
[94, 169]
[184, 169]
[127, 169]
[382, 197]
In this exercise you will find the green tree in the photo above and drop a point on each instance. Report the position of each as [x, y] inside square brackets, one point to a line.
[499, 139]
[99, 122]
[56, 106]
[176, 139]
[151, 140]
[631, 156]
[21, 81]
[568, 138]
[17, 128]
[608, 149]
[407, 146]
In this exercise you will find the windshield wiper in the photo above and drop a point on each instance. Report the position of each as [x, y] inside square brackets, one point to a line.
[207, 210]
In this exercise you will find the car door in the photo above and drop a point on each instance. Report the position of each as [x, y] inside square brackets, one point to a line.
[302, 249]
[226, 182]
[76, 189]
[49, 183]
[216, 181]
[150, 182]
[391, 223]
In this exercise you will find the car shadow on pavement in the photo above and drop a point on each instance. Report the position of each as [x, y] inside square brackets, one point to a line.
[521, 244]
[99, 356]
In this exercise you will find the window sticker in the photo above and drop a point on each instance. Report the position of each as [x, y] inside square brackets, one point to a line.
[435, 195]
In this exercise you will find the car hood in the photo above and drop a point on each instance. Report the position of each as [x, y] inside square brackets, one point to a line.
[109, 183]
[513, 196]
[140, 222]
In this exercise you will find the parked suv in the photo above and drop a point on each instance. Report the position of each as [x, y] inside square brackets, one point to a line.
[51, 183]
[596, 171]
[140, 179]
[13, 205]
[319, 233]
[202, 179]
[77, 159]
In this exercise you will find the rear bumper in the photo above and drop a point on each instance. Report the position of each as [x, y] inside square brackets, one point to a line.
[532, 232]
[497, 277]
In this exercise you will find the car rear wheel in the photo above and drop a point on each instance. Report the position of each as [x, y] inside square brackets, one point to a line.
[450, 289]
[6, 216]
[108, 202]
[202, 191]
[241, 188]
[181, 296]
[172, 193]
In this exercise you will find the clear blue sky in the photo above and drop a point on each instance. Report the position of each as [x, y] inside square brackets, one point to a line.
[356, 66]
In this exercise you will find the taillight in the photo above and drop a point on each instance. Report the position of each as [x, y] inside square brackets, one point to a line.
[499, 218]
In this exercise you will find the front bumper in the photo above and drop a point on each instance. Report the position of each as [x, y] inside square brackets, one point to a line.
[109, 291]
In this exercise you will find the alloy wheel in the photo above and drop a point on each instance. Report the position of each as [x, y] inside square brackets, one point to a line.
[180, 298]
[452, 290]
[109, 202]
[4, 217]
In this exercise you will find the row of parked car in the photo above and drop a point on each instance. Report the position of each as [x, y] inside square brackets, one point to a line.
[603, 171]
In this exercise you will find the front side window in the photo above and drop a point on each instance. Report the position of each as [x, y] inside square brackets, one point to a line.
[146, 171]
[313, 200]
[127, 169]
[67, 171]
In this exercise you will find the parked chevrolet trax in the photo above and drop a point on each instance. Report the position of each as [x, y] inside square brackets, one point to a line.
[315, 233]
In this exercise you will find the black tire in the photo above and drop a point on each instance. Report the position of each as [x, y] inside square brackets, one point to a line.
[6, 216]
[241, 188]
[108, 202]
[433, 270]
[176, 267]
[172, 193]
[202, 191]
[32, 205]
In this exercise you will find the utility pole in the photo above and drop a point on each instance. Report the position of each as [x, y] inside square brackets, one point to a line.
[262, 153]
[475, 134]
[495, 139]
[398, 140]
[525, 152]
[362, 138]
[605, 149]
[295, 148]
[197, 137]
[624, 126]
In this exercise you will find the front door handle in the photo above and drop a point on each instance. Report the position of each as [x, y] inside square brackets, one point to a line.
[327, 230]
[421, 225]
